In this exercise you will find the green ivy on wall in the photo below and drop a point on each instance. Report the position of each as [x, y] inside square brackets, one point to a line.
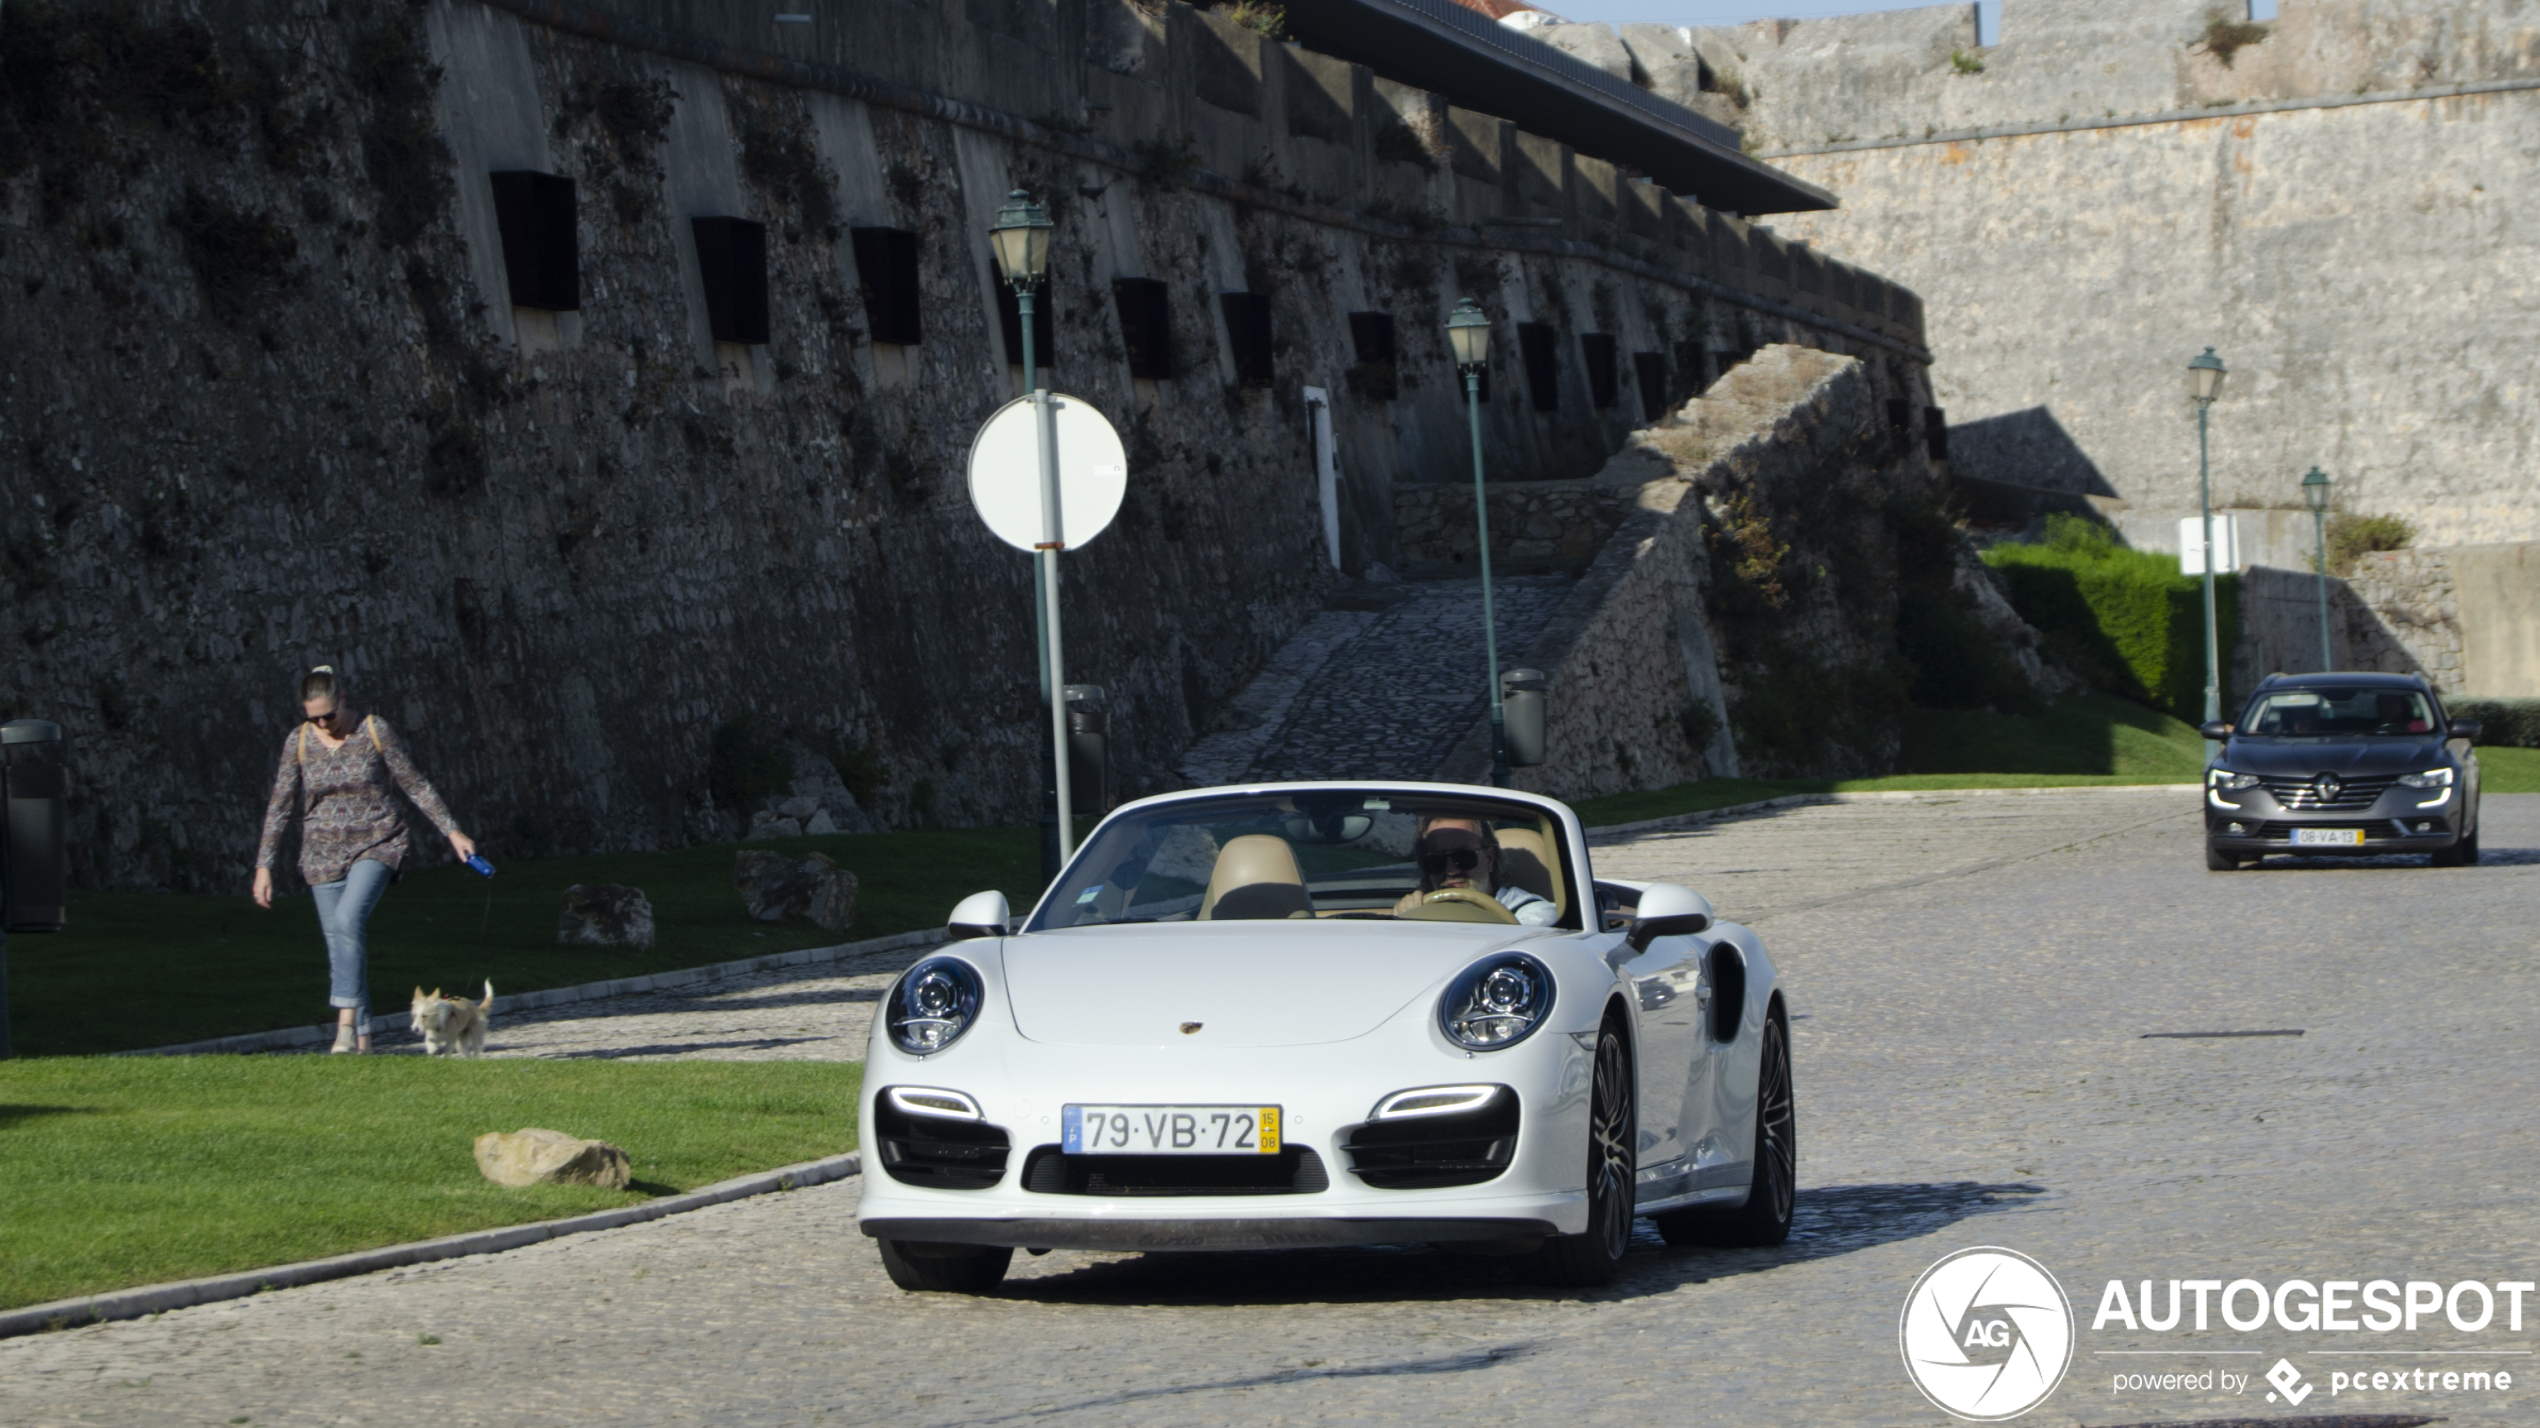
[2124, 619]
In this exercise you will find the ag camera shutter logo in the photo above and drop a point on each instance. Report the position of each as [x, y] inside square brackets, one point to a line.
[1986, 1334]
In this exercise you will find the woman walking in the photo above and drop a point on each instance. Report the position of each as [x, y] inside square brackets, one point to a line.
[339, 766]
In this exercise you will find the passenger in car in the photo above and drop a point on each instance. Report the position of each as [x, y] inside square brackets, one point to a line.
[1464, 853]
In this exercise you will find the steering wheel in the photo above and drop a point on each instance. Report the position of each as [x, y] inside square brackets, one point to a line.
[1460, 905]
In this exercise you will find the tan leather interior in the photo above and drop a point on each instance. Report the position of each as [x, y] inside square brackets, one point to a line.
[1256, 878]
[1526, 862]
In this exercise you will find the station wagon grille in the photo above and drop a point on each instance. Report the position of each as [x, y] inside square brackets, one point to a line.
[2358, 792]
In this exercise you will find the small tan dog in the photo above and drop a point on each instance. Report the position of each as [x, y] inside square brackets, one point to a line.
[450, 1026]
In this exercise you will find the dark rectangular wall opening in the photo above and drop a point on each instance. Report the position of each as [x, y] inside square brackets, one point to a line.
[732, 259]
[1936, 433]
[1691, 377]
[1146, 327]
[542, 257]
[1010, 323]
[1604, 390]
[1649, 370]
[886, 272]
[1371, 338]
[1248, 332]
[1539, 346]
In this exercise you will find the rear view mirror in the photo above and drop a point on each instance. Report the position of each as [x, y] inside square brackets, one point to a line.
[2214, 729]
[2466, 729]
[978, 915]
[1667, 910]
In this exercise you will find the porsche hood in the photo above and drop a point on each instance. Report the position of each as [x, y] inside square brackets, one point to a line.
[1261, 984]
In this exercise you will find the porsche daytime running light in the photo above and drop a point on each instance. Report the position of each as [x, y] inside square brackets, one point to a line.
[1432, 1101]
[1496, 1003]
[933, 1005]
[2431, 778]
[928, 1101]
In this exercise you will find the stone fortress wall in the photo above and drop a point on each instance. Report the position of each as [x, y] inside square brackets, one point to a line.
[2338, 207]
[268, 397]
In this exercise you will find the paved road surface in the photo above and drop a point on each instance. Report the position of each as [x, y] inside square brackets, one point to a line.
[1974, 978]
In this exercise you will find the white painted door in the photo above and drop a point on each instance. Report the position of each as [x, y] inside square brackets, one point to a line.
[1327, 469]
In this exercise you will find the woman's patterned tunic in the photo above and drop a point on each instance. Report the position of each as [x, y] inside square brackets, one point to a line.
[350, 812]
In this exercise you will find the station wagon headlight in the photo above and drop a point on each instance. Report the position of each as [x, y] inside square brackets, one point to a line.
[1496, 1002]
[933, 1005]
[2431, 778]
[2225, 778]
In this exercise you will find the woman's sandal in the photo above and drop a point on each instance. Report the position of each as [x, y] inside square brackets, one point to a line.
[343, 1040]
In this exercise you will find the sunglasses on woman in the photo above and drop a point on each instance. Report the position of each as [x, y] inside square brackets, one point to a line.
[1462, 860]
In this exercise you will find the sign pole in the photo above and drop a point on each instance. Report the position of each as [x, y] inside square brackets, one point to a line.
[1053, 540]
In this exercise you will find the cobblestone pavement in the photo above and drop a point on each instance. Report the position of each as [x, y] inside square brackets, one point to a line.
[1973, 980]
[1392, 698]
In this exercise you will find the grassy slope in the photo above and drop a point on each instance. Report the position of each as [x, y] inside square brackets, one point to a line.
[121, 1172]
[152, 969]
[2090, 739]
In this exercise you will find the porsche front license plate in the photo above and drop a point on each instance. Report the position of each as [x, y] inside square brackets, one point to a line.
[2328, 837]
[1171, 1130]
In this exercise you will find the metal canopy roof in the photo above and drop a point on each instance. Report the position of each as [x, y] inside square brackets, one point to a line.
[1480, 64]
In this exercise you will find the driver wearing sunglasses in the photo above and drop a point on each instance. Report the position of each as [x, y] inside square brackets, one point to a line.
[1463, 853]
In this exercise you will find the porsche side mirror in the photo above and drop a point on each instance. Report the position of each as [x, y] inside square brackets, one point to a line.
[1667, 910]
[2466, 729]
[2214, 729]
[978, 915]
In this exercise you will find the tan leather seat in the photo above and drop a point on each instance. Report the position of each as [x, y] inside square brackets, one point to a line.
[1256, 878]
[1526, 862]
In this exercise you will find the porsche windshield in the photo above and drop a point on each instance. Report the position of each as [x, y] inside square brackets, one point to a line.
[1302, 855]
[2330, 712]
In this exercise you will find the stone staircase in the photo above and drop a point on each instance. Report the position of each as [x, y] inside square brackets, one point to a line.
[1383, 684]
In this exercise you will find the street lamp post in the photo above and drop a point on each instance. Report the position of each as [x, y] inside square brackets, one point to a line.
[2315, 494]
[2204, 383]
[1021, 241]
[1468, 332]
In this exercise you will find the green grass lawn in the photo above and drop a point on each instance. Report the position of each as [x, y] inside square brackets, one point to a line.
[153, 969]
[2509, 771]
[2085, 740]
[135, 1171]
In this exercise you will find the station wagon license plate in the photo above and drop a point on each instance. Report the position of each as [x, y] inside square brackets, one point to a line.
[2328, 837]
[1170, 1130]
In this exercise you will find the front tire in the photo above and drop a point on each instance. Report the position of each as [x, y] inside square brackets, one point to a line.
[922, 1268]
[2460, 855]
[1770, 1204]
[1594, 1259]
[2218, 861]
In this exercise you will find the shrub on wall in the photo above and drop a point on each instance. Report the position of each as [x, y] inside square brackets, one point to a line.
[2351, 535]
[2125, 619]
[2505, 723]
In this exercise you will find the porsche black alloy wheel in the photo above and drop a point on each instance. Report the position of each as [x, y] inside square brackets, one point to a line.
[1765, 1217]
[943, 1269]
[1585, 1261]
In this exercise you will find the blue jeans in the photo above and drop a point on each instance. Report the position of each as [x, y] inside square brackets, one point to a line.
[343, 909]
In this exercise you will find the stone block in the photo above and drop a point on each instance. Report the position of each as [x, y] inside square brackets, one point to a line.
[535, 1156]
[813, 889]
[605, 915]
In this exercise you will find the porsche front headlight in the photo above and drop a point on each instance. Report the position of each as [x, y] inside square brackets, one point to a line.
[1496, 1002]
[2431, 778]
[933, 1005]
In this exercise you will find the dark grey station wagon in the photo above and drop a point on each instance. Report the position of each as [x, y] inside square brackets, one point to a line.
[2342, 764]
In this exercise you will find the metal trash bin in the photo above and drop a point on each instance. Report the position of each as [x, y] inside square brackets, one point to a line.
[1521, 716]
[35, 855]
[1088, 751]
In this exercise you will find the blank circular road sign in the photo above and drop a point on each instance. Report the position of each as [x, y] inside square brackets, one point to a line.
[1005, 472]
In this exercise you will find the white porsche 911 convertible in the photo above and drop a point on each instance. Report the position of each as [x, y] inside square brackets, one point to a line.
[1329, 1014]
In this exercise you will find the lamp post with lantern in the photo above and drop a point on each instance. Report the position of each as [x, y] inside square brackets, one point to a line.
[2315, 495]
[2204, 383]
[1020, 239]
[1468, 333]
